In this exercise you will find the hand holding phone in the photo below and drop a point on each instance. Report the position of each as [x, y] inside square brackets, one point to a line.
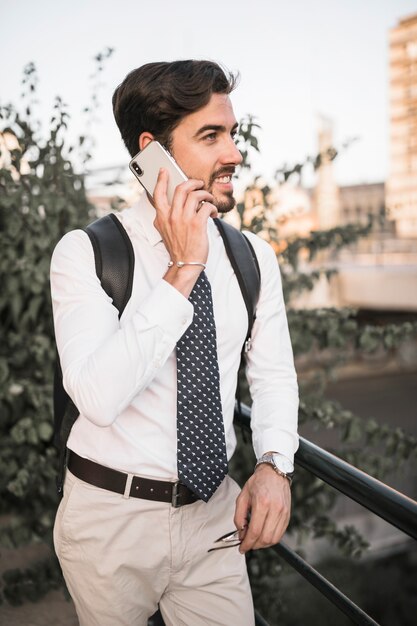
[182, 207]
[147, 164]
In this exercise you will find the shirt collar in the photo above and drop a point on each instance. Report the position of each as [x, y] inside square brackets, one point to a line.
[145, 215]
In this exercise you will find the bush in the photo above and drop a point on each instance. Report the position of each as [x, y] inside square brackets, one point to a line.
[42, 197]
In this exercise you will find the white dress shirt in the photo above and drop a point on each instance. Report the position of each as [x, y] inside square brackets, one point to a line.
[121, 375]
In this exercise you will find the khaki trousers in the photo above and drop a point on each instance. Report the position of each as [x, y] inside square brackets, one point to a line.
[122, 556]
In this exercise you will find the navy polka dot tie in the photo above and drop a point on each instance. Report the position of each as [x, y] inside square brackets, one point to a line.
[202, 460]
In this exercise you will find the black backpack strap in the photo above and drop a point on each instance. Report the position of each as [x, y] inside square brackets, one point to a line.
[114, 258]
[245, 265]
[115, 263]
[246, 268]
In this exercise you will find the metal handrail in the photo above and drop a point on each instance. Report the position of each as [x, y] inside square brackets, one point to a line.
[387, 503]
[332, 593]
[259, 620]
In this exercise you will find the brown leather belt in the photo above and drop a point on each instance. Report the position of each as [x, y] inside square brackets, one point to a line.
[98, 475]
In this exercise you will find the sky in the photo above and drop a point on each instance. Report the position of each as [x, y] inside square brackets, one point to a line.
[297, 60]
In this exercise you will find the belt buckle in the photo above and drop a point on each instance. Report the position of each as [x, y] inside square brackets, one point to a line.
[175, 495]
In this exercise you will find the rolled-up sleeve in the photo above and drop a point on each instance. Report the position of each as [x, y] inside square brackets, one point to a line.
[270, 364]
[106, 363]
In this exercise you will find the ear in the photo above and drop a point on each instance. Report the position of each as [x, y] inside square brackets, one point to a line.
[144, 139]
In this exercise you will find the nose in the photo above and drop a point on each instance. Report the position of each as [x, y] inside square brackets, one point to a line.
[231, 154]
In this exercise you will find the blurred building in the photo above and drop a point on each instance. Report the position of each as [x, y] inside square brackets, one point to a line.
[379, 272]
[402, 180]
[358, 202]
[326, 196]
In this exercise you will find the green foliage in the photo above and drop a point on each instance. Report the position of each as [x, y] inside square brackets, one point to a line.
[32, 583]
[246, 138]
[285, 172]
[331, 328]
[333, 239]
[42, 197]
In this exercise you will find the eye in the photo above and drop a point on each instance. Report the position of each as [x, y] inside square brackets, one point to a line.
[210, 137]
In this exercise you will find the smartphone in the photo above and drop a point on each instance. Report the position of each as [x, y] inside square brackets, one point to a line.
[147, 163]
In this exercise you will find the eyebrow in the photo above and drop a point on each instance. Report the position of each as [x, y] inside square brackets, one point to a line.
[216, 127]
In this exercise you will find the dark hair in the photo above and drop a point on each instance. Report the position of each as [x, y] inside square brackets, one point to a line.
[157, 96]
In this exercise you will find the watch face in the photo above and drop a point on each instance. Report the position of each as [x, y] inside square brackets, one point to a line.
[283, 463]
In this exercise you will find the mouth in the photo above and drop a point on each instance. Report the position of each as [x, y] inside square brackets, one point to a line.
[223, 180]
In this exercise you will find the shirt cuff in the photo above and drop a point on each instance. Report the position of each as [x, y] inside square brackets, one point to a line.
[283, 442]
[168, 309]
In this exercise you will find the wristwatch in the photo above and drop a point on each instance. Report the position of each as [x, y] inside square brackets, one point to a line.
[279, 463]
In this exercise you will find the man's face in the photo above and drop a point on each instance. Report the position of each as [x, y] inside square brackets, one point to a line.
[203, 146]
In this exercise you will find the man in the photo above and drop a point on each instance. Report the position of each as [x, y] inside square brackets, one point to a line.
[123, 553]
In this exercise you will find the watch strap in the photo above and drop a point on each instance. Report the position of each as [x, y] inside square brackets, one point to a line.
[269, 460]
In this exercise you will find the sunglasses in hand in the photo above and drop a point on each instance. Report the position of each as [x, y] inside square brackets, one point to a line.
[229, 540]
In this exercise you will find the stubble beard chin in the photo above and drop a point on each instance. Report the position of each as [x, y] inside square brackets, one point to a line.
[224, 201]
[224, 204]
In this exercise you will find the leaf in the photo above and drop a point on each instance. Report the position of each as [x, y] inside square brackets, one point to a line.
[4, 371]
[45, 431]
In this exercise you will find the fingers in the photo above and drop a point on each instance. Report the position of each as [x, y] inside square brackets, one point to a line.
[194, 202]
[189, 200]
[242, 510]
[207, 210]
[266, 528]
[160, 196]
[188, 196]
[160, 192]
[268, 498]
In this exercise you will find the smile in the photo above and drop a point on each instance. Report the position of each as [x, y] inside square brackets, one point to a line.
[223, 179]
